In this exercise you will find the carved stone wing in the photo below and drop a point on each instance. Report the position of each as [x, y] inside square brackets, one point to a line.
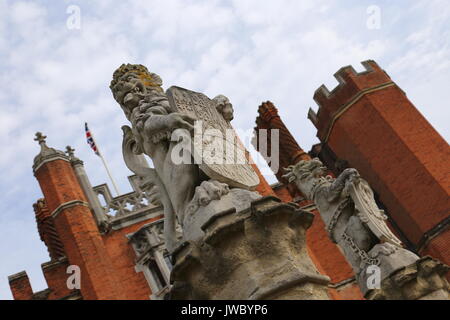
[368, 211]
[136, 163]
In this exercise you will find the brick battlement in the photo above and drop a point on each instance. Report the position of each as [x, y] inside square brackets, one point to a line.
[20, 286]
[352, 86]
[368, 123]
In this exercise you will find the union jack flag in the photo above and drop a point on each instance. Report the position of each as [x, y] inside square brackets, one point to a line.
[90, 139]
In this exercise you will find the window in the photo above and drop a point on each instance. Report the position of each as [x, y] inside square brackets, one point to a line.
[157, 276]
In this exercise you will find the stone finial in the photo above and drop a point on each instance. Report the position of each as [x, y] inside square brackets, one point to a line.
[40, 137]
[71, 154]
[46, 153]
[70, 151]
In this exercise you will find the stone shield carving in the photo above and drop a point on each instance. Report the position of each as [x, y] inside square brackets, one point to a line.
[369, 213]
[218, 151]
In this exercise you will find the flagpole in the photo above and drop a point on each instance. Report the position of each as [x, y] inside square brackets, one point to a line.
[109, 173]
[104, 163]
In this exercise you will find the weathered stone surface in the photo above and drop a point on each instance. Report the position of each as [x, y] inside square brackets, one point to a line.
[354, 221]
[236, 200]
[422, 280]
[161, 130]
[391, 258]
[255, 253]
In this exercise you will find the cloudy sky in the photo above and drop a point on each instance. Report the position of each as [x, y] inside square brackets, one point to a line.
[55, 76]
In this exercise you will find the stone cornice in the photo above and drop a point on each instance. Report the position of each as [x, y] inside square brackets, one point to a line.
[17, 276]
[41, 160]
[75, 161]
[67, 205]
[54, 263]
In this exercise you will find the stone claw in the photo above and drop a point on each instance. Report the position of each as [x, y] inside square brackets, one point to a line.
[385, 248]
[290, 176]
[208, 191]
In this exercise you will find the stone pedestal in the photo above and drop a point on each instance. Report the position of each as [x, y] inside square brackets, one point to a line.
[422, 280]
[255, 253]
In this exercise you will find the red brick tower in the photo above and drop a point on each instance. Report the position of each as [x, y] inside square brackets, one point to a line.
[73, 225]
[368, 122]
[325, 254]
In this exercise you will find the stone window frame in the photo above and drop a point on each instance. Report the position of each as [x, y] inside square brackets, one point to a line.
[152, 258]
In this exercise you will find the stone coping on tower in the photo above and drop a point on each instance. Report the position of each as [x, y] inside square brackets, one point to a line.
[17, 276]
[41, 295]
[53, 263]
[66, 205]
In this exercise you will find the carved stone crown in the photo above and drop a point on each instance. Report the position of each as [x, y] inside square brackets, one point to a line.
[148, 78]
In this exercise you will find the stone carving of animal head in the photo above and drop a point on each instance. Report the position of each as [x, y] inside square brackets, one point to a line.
[224, 107]
[131, 84]
[306, 174]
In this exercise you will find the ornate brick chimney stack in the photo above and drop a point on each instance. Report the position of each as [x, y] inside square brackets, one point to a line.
[47, 230]
[290, 152]
[368, 122]
[74, 223]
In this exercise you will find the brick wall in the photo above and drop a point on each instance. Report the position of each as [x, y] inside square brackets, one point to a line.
[133, 284]
[377, 130]
[77, 230]
[20, 286]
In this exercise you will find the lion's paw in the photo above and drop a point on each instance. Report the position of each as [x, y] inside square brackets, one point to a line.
[205, 193]
[385, 249]
[208, 191]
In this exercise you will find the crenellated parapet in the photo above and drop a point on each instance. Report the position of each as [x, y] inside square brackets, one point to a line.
[352, 87]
